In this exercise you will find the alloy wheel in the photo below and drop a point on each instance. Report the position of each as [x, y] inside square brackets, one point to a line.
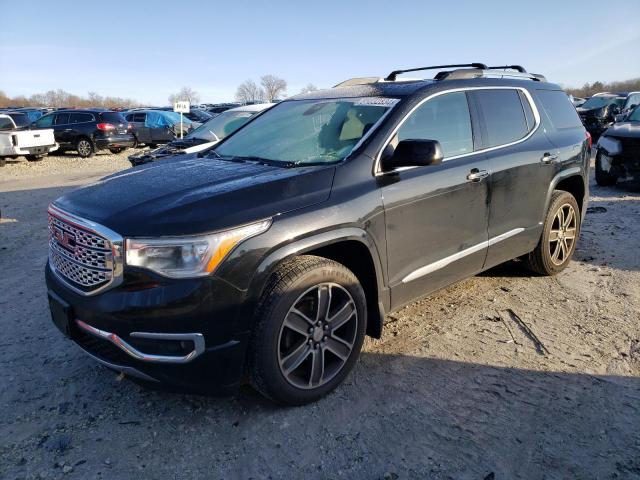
[84, 148]
[563, 234]
[317, 336]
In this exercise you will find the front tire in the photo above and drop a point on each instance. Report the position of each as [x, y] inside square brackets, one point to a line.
[309, 330]
[560, 233]
[85, 148]
[603, 177]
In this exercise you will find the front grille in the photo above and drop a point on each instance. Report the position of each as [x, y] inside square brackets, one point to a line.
[82, 258]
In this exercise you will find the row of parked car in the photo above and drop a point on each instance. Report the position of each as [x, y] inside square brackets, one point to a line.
[89, 130]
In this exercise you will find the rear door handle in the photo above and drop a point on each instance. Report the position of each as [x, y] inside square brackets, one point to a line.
[476, 175]
[548, 158]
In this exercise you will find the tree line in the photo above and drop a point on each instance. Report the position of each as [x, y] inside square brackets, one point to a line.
[589, 89]
[60, 98]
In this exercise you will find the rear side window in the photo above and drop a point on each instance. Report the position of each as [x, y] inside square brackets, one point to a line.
[444, 118]
[112, 117]
[81, 118]
[559, 108]
[504, 116]
[6, 123]
[62, 119]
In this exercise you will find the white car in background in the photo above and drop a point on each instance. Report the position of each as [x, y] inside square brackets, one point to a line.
[16, 139]
[205, 136]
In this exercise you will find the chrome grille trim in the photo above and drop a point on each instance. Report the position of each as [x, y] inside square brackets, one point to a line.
[94, 263]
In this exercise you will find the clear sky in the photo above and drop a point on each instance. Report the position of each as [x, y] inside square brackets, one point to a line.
[148, 49]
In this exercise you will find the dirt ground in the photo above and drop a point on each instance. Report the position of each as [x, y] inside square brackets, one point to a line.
[454, 389]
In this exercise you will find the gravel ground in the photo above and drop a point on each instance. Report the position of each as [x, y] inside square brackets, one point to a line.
[454, 389]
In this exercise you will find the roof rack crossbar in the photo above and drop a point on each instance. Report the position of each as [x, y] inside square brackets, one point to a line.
[517, 68]
[392, 76]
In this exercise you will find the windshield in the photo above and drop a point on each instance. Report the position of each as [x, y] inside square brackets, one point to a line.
[307, 131]
[599, 102]
[221, 126]
[634, 116]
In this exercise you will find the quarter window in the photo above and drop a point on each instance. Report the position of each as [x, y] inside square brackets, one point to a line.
[503, 115]
[559, 108]
[444, 118]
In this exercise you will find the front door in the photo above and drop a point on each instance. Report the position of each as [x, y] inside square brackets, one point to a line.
[437, 215]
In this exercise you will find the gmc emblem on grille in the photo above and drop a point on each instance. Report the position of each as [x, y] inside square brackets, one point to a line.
[64, 238]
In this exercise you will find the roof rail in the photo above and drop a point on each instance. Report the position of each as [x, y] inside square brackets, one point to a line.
[392, 76]
[487, 73]
[517, 68]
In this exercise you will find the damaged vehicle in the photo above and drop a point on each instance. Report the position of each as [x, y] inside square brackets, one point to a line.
[618, 150]
[271, 257]
[17, 139]
[205, 136]
[600, 111]
[155, 127]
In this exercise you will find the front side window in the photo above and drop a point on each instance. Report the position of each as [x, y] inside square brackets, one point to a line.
[444, 118]
[635, 115]
[45, 121]
[599, 102]
[503, 116]
[302, 132]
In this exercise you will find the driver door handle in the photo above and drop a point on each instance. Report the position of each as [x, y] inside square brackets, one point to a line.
[548, 158]
[476, 175]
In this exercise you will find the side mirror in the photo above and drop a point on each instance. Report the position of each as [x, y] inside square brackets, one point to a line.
[416, 153]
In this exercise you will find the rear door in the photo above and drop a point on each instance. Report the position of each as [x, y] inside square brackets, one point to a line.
[79, 124]
[436, 215]
[62, 128]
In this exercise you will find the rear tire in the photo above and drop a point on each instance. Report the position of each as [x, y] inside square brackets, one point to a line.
[560, 234]
[309, 329]
[3, 161]
[34, 158]
[85, 147]
[603, 177]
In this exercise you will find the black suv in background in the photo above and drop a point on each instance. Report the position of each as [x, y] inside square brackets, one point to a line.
[276, 252]
[88, 131]
[600, 111]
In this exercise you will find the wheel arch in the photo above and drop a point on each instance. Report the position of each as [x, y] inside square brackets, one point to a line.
[353, 248]
[571, 180]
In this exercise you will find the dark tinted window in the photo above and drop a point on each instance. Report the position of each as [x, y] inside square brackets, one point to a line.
[20, 119]
[140, 117]
[112, 117]
[444, 118]
[45, 121]
[62, 119]
[6, 123]
[559, 108]
[503, 116]
[81, 117]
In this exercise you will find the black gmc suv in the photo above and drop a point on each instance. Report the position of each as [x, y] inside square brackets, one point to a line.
[88, 131]
[275, 253]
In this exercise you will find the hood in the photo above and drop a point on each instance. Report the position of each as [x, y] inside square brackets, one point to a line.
[590, 112]
[624, 130]
[187, 195]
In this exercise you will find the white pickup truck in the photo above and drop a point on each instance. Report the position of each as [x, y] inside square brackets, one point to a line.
[16, 139]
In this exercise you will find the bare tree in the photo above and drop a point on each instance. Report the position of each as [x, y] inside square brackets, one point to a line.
[273, 87]
[310, 87]
[248, 91]
[187, 94]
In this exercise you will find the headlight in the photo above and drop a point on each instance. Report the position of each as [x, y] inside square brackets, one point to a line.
[184, 257]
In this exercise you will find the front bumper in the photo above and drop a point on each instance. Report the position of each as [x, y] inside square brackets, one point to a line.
[179, 333]
[116, 141]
